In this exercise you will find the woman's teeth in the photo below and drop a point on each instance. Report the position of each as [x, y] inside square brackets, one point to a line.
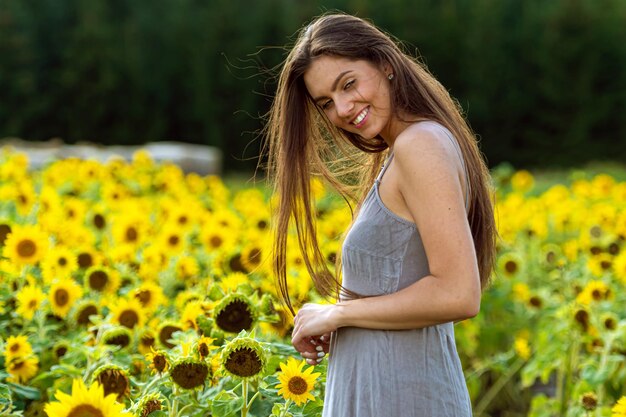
[359, 118]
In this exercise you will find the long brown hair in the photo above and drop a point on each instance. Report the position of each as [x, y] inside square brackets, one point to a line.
[302, 143]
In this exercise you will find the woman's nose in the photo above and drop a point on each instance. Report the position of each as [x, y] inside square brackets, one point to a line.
[344, 107]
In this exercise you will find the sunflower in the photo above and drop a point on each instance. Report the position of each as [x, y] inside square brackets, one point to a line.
[62, 296]
[509, 264]
[84, 310]
[296, 384]
[235, 313]
[129, 230]
[252, 256]
[5, 230]
[24, 197]
[85, 402]
[88, 256]
[60, 261]
[118, 336]
[243, 357]
[522, 181]
[190, 314]
[232, 281]
[216, 237]
[594, 291]
[17, 346]
[148, 403]
[204, 346]
[172, 240]
[29, 300]
[128, 312]
[60, 349]
[147, 339]
[101, 279]
[589, 401]
[114, 380]
[22, 368]
[186, 267]
[166, 330]
[189, 373]
[619, 409]
[26, 245]
[150, 295]
[159, 362]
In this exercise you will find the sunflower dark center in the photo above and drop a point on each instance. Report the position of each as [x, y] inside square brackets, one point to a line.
[85, 260]
[510, 267]
[173, 240]
[147, 340]
[129, 318]
[14, 347]
[85, 410]
[610, 324]
[17, 364]
[166, 333]
[605, 264]
[5, 229]
[114, 382]
[582, 317]
[262, 224]
[60, 351]
[121, 340]
[596, 294]
[26, 248]
[182, 220]
[99, 221]
[244, 362]
[235, 263]
[216, 241]
[150, 406]
[62, 261]
[203, 349]
[98, 280]
[190, 375]
[131, 234]
[297, 385]
[61, 297]
[32, 304]
[159, 362]
[235, 317]
[83, 316]
[255, 256]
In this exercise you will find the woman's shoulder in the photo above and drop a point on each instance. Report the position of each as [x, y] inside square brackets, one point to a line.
[425, 139]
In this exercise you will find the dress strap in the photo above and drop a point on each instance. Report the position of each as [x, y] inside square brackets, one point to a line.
[384, 167]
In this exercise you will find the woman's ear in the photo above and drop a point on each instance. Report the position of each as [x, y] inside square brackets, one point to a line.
[387, 69]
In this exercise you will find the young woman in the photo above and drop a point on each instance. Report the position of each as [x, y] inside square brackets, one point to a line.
[352, 107]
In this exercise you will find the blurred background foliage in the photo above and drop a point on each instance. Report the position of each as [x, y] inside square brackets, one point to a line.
[543, 83]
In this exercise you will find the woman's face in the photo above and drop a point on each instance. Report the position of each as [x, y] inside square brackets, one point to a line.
[354, 95]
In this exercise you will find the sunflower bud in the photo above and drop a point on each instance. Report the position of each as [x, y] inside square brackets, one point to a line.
[235, 313]
[113, 379]
[189, 373]
[243, 357]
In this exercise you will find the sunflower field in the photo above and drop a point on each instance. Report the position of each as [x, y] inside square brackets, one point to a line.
[134, 289]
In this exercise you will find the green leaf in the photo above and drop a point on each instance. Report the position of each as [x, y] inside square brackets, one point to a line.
[24, 391]
[226, 404]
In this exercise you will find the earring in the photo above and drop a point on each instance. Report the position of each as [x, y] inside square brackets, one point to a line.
[390, 76]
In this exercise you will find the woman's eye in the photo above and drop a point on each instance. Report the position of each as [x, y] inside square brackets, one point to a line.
[326, 105]
[348, 84]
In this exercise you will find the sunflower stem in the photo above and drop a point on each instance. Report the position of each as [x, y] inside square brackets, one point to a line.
[283, 413]
[244, 394]
[497, 387]
[256, 394]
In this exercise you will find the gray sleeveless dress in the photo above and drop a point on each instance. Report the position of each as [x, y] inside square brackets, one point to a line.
[391, 373]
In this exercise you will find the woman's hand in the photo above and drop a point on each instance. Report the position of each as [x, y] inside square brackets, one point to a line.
[312, 328]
